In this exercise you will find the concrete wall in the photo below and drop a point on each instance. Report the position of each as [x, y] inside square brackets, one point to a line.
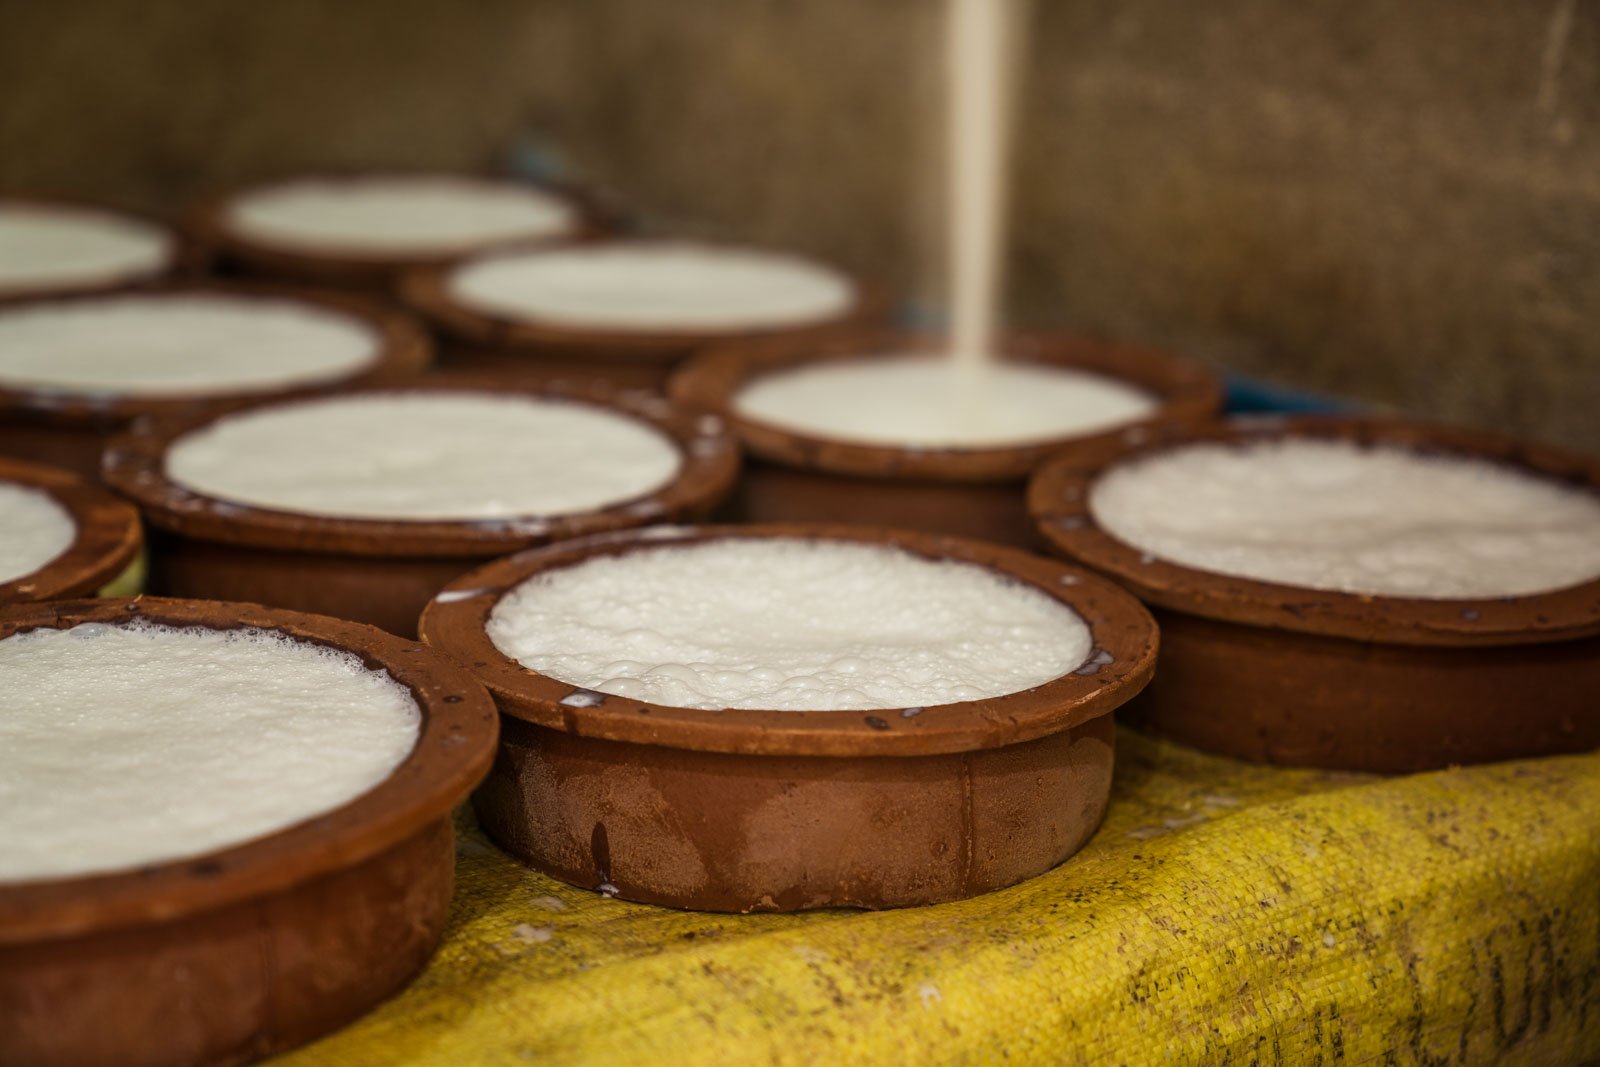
[1396, 202]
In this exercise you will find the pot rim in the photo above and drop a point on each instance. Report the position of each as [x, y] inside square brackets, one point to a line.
[207, 222]
[454, 750]
[1186, 390]
[135, 466]
[403, 350]
[105, 282]
[1058, 499]
[426, 290]
[106, 535]
[1120, 627]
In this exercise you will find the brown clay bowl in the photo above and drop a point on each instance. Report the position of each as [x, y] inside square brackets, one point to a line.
[71, 429]
[106, 541]
[532, 350]
[1284, 674]
[377, 272]
[971, 492]
[234, 955]
[373, 570]
[782, 810]
[181, 257]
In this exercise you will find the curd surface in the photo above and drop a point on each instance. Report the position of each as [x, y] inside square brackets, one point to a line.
[1338, 516]
[134, 744]
[788, 624]
[648, 286]
[442, 455]
[178, 345]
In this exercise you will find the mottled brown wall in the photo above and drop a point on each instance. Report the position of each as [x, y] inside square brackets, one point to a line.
[1400, 202]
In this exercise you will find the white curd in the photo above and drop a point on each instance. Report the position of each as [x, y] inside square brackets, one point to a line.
[1338, 516]
[398, 215]
[136, 744]
[55, 247]
[440, 455]
[34, 530]
[654, 286]
[178, 344]
[933, 403]
[788, 624]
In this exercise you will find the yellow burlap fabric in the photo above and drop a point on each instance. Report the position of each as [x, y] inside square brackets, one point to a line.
[1225, 914]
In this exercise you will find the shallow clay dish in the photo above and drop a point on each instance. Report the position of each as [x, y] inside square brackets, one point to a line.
[531, 350]
[381, 571]
[742, 810]
[70, 430]
[969, 492]
[374, 271]
[1307, 677]
[236, 954]
[106, 540]
[180, 255]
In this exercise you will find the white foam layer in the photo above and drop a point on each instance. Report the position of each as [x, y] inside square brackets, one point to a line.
[135, 744]
[932, 403]
[398, 215]
[34, 530]
[654, 286]
[178, 345]
[443, 455]
[54, 247]
[788, 624]
[1337, 516]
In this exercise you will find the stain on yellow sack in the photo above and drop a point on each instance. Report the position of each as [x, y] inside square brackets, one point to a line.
[1225, 914]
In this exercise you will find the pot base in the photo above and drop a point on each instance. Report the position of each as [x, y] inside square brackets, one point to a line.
[998, 513]
[727, 832]
[1309, 700]
[237, 984]
[544, 368]
[386, 592]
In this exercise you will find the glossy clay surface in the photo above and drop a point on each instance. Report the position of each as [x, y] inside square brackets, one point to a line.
[440, 455]
[1338, 516]
[788, 624]
[177, 345]
[48, 246]
[935, 403]
[647, 286]
[34, 530]
[134, 744]
[422, 215]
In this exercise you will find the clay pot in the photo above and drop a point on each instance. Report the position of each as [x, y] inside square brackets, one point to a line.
[781, 810]
[182, 256]
[531, 351]
[371, 271]
[240, 953]
[969, 492]
[71, 429]
[106, 541]
[1305, 677]
[380, 571]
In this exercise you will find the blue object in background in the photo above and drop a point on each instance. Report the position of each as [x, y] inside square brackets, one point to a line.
[1249, 396]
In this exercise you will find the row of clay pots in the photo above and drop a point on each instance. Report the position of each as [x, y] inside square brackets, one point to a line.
[1252, 669]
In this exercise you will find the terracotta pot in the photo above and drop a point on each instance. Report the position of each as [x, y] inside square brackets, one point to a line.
[969, 492]
[530, 350]
[380, 571]
[234, 955]
[106, 541]
[182, 256]
[782, 810]
[71, 429]
[377, 272]
[1306, 677]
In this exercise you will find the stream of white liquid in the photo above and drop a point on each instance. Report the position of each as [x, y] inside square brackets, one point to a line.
[983, 48]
